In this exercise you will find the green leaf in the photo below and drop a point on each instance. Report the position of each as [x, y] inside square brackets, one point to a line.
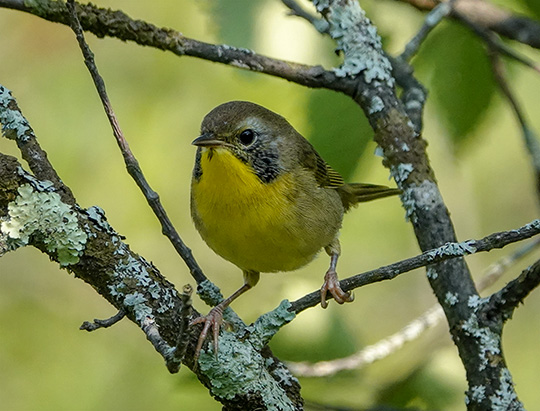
[460, 81]
[533, 6]
[339, 130]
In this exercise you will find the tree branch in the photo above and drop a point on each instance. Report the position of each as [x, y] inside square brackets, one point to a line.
[389, 345]
[446, 252]
[503, 303]
[491, 17]
[32, 213]
[433, 18]
[405, 154]
[132, 165]
[113, 23]
[97, 323]
[15, 127]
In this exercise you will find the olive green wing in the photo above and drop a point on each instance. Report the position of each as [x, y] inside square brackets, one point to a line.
[325, 176]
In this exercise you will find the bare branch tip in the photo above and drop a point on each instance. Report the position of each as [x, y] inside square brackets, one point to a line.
[97, 323]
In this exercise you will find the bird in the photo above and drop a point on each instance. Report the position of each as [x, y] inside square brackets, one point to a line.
[265, 200]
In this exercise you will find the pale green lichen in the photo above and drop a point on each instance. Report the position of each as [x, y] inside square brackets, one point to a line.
[478, 393]
[209, 293]
[138, 302]
[489, 342]
[97, 216]
[14, 125]
[45, 216]
[133, 274]
[357, 37]
[535, 225]
[267, 325]
[455, 249]
[475, 301]
[431, 273]
[505, 397]
[424, 196]
[401, 172]
[451, 298]
[241, 370]
[376, 105]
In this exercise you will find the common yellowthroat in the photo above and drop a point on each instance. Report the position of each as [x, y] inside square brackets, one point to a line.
[264, 199]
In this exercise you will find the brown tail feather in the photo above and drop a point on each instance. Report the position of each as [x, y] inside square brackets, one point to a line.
[352, 194]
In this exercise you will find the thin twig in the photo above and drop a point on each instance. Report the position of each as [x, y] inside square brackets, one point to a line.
[150, 328]
[504, 302]
[321, 25]
[116, 24]
[97, 323]
[445, 252]
[131, 162]
[433, 18]
[389, 345]
[371, 353]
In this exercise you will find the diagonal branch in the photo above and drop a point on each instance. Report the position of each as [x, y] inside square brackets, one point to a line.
[432, 20]
[33, 214]
[16, 127]
[131, 162]
[503, 303]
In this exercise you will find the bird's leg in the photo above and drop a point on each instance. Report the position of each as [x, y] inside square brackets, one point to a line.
[331, 282]
[214, 318]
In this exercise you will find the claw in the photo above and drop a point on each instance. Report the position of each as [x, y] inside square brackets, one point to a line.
[214, 320]
[331, 284]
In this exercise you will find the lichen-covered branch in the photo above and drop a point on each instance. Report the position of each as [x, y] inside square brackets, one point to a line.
[503, 303]
[85, 244]
[405, 155]
[15, 127]
[443, 253]
[32, 213]
[135, 286]
[414, 329]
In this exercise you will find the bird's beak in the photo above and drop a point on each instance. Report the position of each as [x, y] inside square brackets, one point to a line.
[208, 140]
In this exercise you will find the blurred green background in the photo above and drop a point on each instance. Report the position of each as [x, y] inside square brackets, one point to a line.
[475, 147]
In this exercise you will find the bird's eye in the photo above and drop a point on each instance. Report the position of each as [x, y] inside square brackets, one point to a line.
[247, 137]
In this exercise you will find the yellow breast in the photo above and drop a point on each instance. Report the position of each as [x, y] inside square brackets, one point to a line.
[257, 226]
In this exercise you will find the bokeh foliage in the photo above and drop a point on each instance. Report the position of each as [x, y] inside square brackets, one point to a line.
[46, 363]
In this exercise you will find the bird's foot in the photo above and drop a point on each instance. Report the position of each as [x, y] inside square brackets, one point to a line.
[331, 284]
[213, 320]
